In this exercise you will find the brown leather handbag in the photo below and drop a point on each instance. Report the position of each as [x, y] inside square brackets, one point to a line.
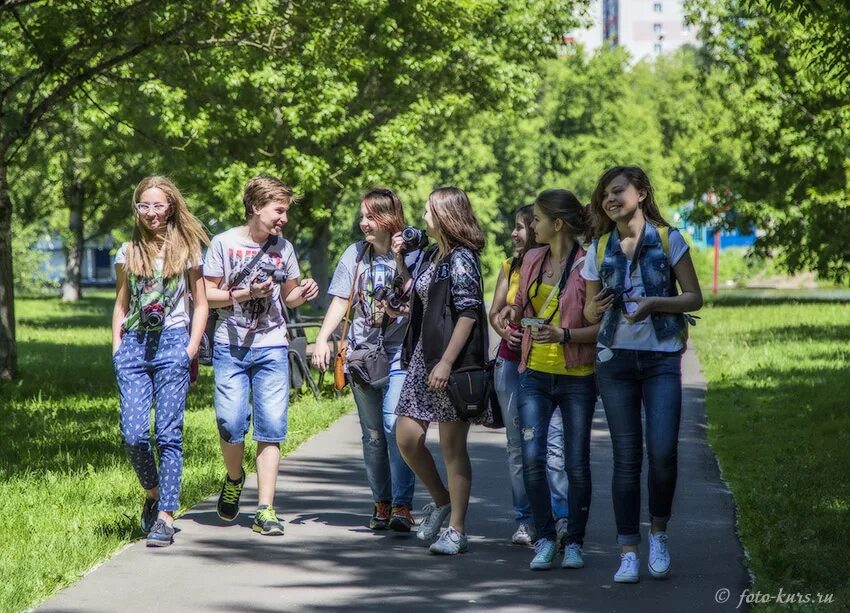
[341, 356]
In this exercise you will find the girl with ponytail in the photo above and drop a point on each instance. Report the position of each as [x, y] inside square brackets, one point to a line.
[556, 368]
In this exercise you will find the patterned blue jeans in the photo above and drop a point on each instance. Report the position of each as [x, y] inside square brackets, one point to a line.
[152, 368]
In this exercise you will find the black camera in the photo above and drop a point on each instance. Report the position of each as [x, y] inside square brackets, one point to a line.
[414, 238]
[394, 295]
[267, 271]
[152, 316]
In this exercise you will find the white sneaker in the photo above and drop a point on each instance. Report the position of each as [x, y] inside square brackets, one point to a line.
[628, 572]
[432, 520]
[451, 542]
[573, 557]
[524, 535]
[561, 533]
[659, 556]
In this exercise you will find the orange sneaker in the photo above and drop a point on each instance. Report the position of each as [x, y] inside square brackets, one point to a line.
[402, 519]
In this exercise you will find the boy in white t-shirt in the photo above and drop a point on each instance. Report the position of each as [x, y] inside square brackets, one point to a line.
[250, 350]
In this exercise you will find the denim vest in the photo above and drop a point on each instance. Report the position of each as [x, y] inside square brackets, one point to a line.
[657, 281]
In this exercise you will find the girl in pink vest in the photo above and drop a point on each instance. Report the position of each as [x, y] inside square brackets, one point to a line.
[556, 369]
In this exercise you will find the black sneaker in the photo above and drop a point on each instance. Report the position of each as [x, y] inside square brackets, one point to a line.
[266, 522]
[380, 516]
[150, 511]
[228, 500]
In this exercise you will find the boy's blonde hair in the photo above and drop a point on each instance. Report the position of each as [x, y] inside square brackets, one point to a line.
[263, 189]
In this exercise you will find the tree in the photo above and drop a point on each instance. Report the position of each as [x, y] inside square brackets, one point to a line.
[789, 129]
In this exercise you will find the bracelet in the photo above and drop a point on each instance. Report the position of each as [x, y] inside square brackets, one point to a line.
[567, 336]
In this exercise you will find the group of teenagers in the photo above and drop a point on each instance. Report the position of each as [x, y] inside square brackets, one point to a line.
[594, 302]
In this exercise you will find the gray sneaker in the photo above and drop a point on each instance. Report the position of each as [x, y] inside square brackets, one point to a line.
[524, 535]
[432, 520]
[451, 542]
[161, 534]
[561, 533]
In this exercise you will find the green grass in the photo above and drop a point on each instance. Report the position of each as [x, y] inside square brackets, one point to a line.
[68, 496]
[779, 383]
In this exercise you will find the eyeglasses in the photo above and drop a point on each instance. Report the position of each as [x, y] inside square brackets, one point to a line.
[156, 207]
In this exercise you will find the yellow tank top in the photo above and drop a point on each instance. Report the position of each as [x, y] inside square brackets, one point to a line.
[513, 280]
[549, 357]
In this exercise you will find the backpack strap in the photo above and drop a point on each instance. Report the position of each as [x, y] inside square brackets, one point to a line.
[664, 235]
[601, 245]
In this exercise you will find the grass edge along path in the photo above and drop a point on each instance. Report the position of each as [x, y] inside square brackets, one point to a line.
[68, 495]
[778, 422]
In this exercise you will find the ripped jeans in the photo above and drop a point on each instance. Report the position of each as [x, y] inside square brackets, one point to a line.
[506, 380]
[390, 479]
[539, 395]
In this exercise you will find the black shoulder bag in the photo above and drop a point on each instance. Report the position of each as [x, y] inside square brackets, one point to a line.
[205, 353]
[470, 388]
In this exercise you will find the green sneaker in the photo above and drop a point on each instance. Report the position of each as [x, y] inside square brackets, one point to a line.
[267, 523]
[228, 500]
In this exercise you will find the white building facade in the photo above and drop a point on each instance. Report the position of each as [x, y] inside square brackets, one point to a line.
[647, 28]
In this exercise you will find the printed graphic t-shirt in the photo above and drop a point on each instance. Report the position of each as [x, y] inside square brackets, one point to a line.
[258, 322]
[155, 303]
[374, 272]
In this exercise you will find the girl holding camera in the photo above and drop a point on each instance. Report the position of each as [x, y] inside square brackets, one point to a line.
[152, 344]
[636, 261]
[506, 381]
[368, 272]
[447, 331]
[556, 369]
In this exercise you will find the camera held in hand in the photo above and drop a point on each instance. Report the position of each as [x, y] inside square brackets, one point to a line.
[414, 239]
[152, 316]
[394, 296]
[267, 271]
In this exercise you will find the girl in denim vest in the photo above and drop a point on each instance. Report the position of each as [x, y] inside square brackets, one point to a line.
[631, 269]
[506, 384]
[556, 369]
[152, 344]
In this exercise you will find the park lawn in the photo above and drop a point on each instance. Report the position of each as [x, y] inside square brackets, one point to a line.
[68, 496]
[778, 389]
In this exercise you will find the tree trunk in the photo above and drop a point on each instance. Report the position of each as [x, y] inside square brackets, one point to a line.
[8, 348]
[320, 265]
[74, 243]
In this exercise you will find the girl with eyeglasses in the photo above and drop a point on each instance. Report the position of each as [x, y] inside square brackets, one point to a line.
[153, 345]
[632, 269]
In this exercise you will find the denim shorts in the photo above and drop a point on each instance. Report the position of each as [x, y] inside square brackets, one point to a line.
[264, 371]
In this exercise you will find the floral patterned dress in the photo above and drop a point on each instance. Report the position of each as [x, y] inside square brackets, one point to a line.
[417, 401]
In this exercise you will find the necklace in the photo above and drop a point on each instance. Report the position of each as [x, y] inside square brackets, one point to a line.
[548, 274]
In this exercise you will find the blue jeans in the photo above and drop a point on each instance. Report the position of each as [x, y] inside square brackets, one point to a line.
[390, 479]
[576, 398]
[506, 380]
[626, 380]
[263, 371]
[153, 367]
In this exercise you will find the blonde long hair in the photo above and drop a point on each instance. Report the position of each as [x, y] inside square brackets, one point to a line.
[184, 235]
[455, 220]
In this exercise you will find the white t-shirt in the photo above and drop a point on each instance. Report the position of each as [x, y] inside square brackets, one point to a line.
[155, 303]
[258, 322]
[641, 334]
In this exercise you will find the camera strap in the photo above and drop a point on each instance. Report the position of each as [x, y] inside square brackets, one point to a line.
[562, 284]
[246, 270]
